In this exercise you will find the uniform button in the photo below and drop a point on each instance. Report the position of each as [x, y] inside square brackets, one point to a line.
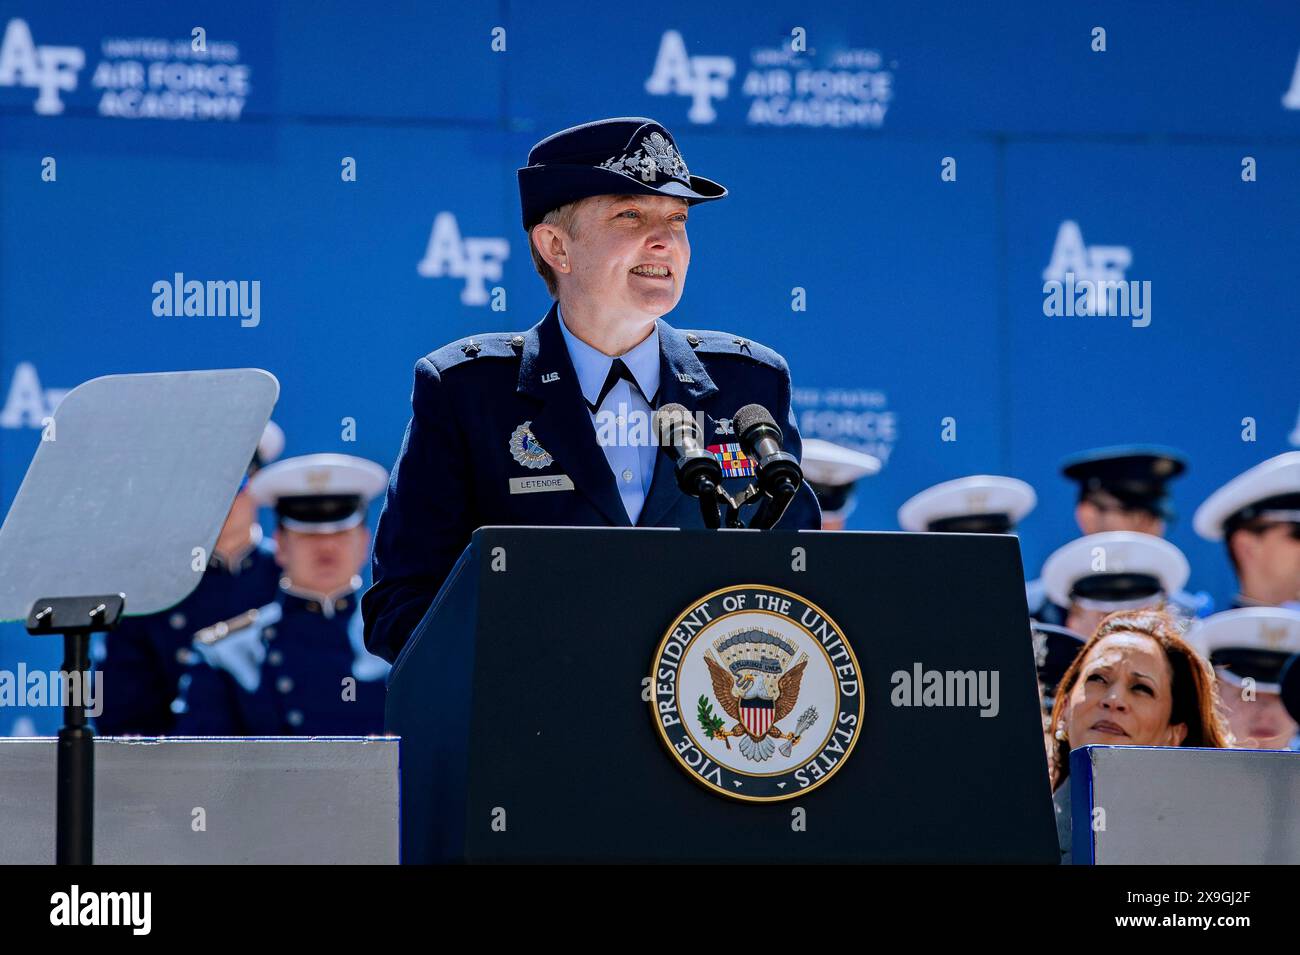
[275, 658]
[269, 633]
[184, 656]
[693, 340]
[177, 621]
[294, 717]
[284, 684]
[628, 475]
[517, 341]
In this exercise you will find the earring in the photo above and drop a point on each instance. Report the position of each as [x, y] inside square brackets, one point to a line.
[1060, 732]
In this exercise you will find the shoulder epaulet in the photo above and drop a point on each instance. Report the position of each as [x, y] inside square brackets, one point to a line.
[477, 348]
[219, 631]
[705, 341]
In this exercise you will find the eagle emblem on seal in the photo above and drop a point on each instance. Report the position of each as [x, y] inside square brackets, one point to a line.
[756, 685]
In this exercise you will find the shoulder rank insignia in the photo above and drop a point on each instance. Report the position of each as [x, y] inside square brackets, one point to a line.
[526, 450]
[219, 631]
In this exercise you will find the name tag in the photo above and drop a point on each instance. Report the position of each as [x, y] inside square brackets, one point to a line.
[531, 485]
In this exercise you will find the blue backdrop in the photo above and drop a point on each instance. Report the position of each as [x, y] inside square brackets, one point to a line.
[127, 156]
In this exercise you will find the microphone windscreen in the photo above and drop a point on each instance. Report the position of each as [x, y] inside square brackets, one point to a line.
[669, 418]
[751, 415]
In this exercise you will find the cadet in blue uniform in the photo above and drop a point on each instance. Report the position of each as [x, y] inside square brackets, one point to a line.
[141, 661]
[1249, 647]
[833, 472]
[298, 666]
[1257, 516]
[552, 426]
[1094, 576]
[1123, 488]
[978, 504]
[1055, 648]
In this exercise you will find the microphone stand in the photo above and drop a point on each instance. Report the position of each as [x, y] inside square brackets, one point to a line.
[709, 493]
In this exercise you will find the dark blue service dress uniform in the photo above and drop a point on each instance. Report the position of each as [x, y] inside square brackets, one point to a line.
[309, 649]
[145, 657]
[475, 398]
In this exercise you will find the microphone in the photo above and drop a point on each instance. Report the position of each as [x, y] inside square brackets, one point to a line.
[699, 474]
[779, 474]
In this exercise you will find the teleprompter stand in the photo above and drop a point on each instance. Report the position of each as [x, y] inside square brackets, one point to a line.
[122, 503]
[76, 618]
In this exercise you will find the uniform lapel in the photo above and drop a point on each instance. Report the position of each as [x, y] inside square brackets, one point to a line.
[562, 424]
[682, 379]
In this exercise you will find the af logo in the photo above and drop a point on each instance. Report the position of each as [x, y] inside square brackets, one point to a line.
[756, 693]
[28, 403]
[702, 78]
[1095, 262]
[472, 259]
[48, 69]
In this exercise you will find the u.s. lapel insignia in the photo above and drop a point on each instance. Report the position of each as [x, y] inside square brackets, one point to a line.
[724, 426]
[526, 450]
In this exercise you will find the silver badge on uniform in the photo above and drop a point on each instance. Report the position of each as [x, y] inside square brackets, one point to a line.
[724, 426]
[526, 450]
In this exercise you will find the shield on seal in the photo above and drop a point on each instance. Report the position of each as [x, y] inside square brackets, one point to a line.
[756, 715]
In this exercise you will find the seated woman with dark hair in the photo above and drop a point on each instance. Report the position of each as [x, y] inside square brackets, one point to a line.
[1136, 682]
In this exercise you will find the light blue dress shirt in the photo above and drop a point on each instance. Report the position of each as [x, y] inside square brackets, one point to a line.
[624, 420]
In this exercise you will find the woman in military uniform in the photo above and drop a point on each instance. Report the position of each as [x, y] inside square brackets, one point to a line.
[510, 428]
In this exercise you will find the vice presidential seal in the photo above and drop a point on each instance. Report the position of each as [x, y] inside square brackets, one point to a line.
[756, 693]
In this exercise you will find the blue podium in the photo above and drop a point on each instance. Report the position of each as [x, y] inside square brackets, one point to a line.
[633, 695]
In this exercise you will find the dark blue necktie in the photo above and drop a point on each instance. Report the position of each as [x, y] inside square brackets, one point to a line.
[617, 371]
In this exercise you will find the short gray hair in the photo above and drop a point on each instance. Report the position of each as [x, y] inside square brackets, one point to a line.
[565, 217]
